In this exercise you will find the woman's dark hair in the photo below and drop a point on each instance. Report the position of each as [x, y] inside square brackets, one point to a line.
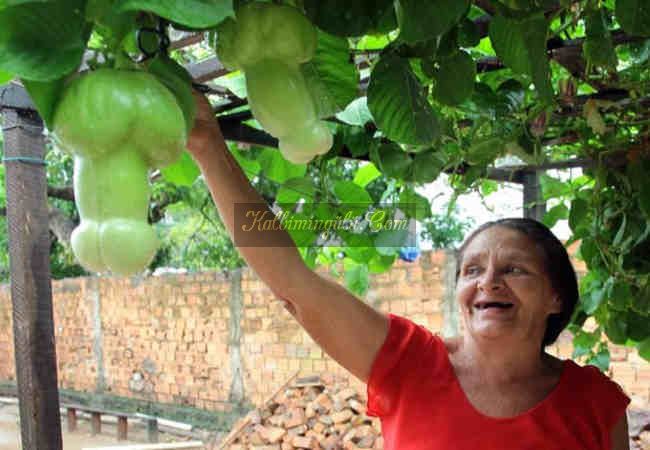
[557, 264]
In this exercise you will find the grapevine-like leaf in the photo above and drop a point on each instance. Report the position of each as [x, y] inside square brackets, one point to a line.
[455, 79]
[634, 16]
[521, 45]
[192, 13]
[183, 172]
[42, 41]
[346, 18]
[331, 78]
[420, 21]
[399, 105]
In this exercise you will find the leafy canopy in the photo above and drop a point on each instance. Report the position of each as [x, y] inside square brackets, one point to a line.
[413, 90]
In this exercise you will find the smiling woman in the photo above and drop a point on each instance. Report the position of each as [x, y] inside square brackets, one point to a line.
[495, 387]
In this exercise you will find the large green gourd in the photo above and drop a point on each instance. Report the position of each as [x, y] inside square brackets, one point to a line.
[269, 42]
[117, 124]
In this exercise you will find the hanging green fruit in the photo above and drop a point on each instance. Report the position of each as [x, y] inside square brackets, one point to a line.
[269, 42]
[117, 124]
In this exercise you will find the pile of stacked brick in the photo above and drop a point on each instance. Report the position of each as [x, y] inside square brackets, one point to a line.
[316, 413]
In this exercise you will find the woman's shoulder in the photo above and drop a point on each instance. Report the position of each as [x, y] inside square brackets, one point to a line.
[590, 380]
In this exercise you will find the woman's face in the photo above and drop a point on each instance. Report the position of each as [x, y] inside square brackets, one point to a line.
[503, 288]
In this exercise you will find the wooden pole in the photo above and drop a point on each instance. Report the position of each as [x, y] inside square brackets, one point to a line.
[534, 204]
[31, 291]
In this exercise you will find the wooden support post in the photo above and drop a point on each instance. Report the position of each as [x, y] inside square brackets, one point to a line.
[95, 423]
[534, 204]
[72, 419]
[31, 290]
[122, 428]
[152, 430]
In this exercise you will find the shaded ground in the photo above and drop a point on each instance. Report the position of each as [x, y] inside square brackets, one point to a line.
[10, 433]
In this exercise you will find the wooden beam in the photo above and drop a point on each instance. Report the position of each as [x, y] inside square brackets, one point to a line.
[206, 70]
[186, 41]
[31, 290]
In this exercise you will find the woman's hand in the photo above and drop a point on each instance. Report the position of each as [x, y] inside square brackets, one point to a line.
[206, 132]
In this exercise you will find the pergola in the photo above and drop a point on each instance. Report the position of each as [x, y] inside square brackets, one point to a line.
[27, 216]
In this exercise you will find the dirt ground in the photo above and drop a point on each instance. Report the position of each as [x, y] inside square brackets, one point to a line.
[81, 438]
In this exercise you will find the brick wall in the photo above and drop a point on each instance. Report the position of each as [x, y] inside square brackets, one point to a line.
[213, 339]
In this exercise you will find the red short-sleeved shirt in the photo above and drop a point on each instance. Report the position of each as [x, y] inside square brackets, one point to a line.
[414, 391]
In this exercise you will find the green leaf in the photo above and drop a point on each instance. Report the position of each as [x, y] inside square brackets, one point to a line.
[235, 82]
[578, 214]
[588, 251]
[355, 139]
[414, 205]
[277, 168]
[356, 113]
[45, 95]
[353, 197]
[295, 189]
[485, 151]
[366, 174]
[553, 188]
[191, 13]
[638, 326]
[426, 166]
[591, 302]
[583, 342]
[644, 198]
[183, 172]
[6, 3]
[111, 24]
[455, 79]
[345, 18]
[389, 241]
[558, 212]
[301, 236]
[620, 233]
[392, 160]
[381, 263]
[468, 33]
[644, 349]
[521, 45]
[356, 276]
[488, 187]
[616, 328]
[420, 21]
[42, 41]
[598, 47]
[5, 77]
[634, 16]
[399, 105]
[619, 296]
[331, 77]
[600, 359]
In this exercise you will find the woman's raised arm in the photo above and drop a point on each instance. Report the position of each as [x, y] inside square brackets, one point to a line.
[346, 328]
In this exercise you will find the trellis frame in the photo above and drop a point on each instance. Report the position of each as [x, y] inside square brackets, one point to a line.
[28, 220]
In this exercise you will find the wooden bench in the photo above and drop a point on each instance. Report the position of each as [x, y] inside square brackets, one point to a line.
[122, 421]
